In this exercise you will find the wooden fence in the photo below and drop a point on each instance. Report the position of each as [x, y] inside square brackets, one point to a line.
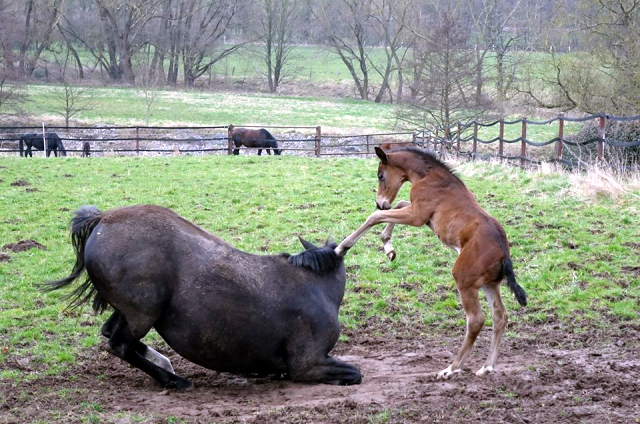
[144, 140]
[454, 137]
[459, 139]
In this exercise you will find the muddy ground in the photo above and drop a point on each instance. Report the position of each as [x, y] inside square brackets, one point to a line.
[546, 374]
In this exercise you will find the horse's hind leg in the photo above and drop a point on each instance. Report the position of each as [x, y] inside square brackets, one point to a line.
[259, 152]
[127, 346]
[329, 371]
[117, 319]
[475, 322]
[500, 319]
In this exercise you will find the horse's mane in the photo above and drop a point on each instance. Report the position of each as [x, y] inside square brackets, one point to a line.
[428, 158]
[321, 259]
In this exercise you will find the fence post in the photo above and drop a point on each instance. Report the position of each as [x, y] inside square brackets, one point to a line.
[559, 143]
[229, 139]
[138, 141]
[318, 137]
[601, 125]
[459, 135]
[414, 138]
[523, 144]
[501, 139]
[475, 139]
[367, 141]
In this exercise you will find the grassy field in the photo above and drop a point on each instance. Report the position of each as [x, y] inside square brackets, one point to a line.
[577, 259]
[126, 106]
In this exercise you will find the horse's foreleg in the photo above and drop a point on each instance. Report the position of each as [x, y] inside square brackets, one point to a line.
[387, 232]
[404, 215]
[329, 371]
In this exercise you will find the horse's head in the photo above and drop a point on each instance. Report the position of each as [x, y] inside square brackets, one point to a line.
[390, 179]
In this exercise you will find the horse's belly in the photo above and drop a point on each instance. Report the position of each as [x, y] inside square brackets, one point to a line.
[249, 348]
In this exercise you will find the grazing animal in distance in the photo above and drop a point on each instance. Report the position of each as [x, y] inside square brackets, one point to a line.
[86, 149]
[253, 138]
[216, 306]
[440, 200]
[34, 141]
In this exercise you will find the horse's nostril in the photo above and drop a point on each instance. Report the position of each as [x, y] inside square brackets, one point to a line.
[378, 206]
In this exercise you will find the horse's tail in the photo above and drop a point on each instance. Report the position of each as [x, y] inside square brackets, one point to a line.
[82, 225]
[21, 143]
[518, 291]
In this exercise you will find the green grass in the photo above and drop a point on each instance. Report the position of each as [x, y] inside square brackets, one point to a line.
[126, 106]
[574, 258]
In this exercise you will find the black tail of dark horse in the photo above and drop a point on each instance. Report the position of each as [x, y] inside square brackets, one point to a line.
[82, 224]
[21, 143]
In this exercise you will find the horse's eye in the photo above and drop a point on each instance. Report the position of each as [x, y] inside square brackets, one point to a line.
[380, 176]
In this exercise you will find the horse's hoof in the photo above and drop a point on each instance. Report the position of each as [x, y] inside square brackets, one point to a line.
[391, 255]
[447, 373]
[183, 385]
[484, 371]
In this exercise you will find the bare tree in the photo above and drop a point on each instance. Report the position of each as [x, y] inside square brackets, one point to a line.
[443, 73]
[73, 100]
[347, 37]
[387, 17]
[197, 37]
[278, 22]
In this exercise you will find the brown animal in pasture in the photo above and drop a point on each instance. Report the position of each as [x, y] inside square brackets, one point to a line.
[440, 200]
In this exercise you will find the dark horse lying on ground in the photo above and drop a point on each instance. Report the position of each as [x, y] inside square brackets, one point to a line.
[217, 306]
[34, 141]
[253, 138]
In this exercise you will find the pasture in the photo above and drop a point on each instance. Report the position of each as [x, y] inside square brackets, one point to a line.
[571, 355]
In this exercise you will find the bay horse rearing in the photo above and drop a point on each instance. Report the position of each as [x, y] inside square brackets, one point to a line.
[216, 306]
[440, 200]
[34, 141]
[260, 138]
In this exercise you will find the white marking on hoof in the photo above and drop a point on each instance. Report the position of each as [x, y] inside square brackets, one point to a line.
[482, 372]
[390, 252]
[159, 359]
[447, 373]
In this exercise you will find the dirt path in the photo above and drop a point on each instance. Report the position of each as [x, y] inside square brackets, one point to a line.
[540, 379]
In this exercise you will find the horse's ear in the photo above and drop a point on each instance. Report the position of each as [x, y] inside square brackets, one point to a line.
[306, 244]
[382, 155]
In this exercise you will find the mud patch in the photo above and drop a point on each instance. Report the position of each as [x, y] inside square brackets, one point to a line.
[574, 379]
[4, 257]
[23, 245]
[20, 183]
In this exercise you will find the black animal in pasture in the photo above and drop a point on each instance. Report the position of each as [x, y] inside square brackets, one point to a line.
[86, 149]
[254, 138]
[217, 306]
[34, 141]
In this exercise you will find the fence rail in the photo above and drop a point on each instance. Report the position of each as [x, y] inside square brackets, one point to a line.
[453, 136]
[460, 139]
[143, 140]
